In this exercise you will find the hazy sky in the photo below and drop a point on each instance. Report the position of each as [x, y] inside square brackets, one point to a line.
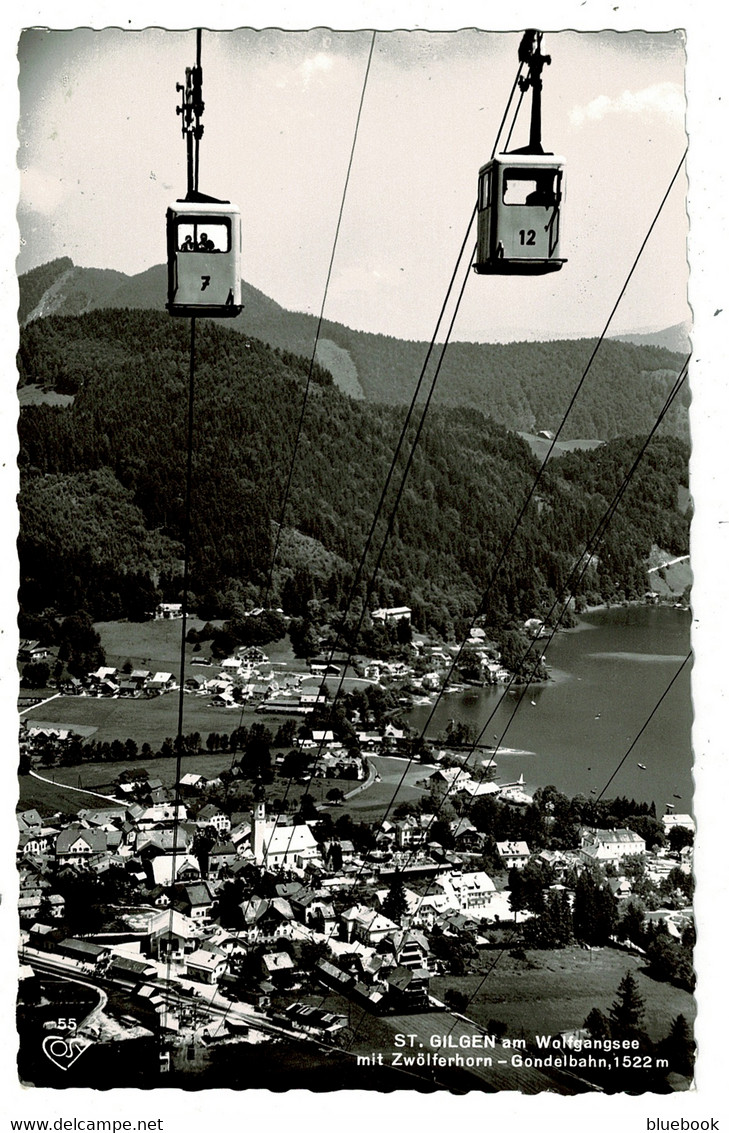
[101, 155]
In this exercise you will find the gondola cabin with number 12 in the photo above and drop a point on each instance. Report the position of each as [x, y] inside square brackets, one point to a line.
[519, 201]
[203, 258]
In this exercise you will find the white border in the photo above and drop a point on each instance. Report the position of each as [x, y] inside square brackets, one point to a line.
[705, 25]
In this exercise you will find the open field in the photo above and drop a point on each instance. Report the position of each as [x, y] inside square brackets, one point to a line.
[100, 777]
[556, 990]
[36, 395]
[156, 645]
[146, 721]
[370, 805]
[151, 645]
[540, 445]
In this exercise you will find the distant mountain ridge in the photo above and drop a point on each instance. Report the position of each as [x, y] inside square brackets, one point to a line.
[676, 338]
[525, 386]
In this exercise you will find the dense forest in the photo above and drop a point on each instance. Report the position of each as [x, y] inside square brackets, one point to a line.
[525, 386]
[102, 487]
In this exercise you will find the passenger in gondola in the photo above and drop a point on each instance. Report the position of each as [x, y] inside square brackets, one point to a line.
[543, 192]
[187, 244]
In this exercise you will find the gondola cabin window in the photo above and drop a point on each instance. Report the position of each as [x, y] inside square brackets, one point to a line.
[202, 236]
[528, 187]
[203, 259]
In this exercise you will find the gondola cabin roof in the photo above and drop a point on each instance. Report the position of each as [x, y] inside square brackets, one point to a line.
[518, 159]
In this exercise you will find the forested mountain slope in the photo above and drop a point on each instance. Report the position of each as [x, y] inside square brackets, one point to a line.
[102, 485]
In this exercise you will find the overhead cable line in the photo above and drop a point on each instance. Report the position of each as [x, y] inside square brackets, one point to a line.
[393, 464]
[584, 560]
[506, 113]
[582, 565]
[192, 109]
[287, 489]
[522, 511]
[406, 424]
[534, 485]
[550, 450]
[650, 717]
[378, 511]
[663, 696]
[312, 361]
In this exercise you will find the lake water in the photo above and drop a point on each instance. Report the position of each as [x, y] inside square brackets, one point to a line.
[608, 676]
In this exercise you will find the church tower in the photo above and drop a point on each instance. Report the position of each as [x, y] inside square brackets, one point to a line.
[259, 824]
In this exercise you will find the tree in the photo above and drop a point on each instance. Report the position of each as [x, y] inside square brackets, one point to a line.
[670, 961]
[304, 637]
[597, 1024]
[335, 856]
[36, 674]
[593, 911]
[295, 764]
[80, 644]
[395, 905]
[202, 843]
[630, 926]
[679, 837]
[455, 999]
[628, 1009]
[679, 1047]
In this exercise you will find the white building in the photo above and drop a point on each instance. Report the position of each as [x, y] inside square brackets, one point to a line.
[610, 846]
[281, 847]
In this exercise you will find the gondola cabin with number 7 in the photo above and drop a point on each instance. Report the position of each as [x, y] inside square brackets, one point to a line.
[519, 201]
[203, 258]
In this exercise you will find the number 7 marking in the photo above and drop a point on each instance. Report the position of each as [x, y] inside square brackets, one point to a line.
[206, 281]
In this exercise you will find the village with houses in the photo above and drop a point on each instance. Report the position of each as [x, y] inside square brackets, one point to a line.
[210, 909]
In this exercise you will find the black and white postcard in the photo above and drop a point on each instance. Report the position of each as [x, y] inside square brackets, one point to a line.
[363, 664]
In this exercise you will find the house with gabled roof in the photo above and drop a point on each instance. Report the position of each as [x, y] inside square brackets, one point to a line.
[466, 835]
[157, 814]
[408, 988]
[205, 965]
[29, 821]
[163, 869]
[360, 922]
[684, 821]
[195, 899]
[193, 781]
[44, 937]
[211, 815]
[130, 970]
[84, 950]
[154, 843]
[169, 933]
[610, 845]
[38, 843]
[408, 948]
[514, 855]
[161, 682]
[221, 858]
[107, 818]
[473, 889]
[77, 845]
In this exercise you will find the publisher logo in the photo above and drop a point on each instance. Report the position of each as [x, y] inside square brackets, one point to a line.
[64, 1051]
